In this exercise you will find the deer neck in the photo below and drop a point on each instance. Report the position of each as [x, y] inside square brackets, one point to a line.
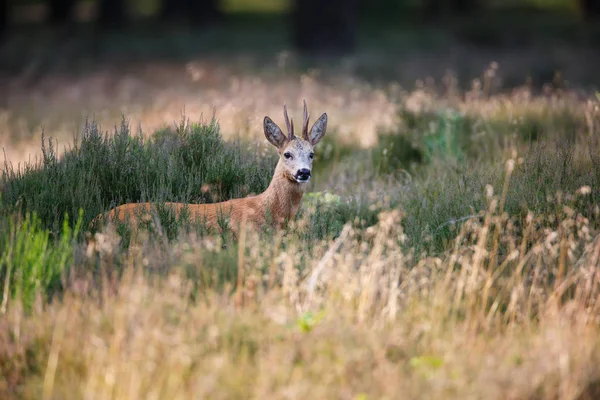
[283, 195]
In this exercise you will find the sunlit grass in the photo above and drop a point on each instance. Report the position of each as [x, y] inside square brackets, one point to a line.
[361, 315]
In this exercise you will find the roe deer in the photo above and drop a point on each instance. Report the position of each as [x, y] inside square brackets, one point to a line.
[279, 201]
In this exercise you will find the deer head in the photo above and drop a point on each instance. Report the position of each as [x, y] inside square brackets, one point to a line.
[295, 153]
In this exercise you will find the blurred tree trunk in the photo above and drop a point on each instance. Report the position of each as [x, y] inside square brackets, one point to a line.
[61, 11]
[465, 6]
[434, 8]
[3, 17]
[196, 12]
[111, 13]
[325, 25]
[172, 9]
[204, 11]
[590, 8]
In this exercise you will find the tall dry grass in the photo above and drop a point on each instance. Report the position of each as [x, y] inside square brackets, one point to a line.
[497, 316]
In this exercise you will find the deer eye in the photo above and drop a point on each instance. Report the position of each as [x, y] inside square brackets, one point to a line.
[311, 155]
[287, 155]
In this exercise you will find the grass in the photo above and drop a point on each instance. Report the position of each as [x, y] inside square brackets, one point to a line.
[373, 321]
[453, 254]
[32, 262]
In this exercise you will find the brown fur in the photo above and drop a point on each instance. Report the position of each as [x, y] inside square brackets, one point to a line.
[279, 202]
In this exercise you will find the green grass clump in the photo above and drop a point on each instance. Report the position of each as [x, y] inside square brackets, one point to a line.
[32, 260]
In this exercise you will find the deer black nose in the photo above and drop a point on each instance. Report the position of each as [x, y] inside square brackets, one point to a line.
[303, 174]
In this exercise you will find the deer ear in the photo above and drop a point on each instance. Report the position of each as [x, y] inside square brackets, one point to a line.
[318, 129]
[274, 134]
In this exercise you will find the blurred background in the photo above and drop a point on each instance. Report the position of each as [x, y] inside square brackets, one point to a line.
[63, 61]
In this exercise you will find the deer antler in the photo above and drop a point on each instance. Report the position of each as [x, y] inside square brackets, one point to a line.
[305, 125]
[288, 123]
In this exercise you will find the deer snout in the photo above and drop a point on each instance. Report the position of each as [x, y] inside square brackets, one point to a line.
[303, 175]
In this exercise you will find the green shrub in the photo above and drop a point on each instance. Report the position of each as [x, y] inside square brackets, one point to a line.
[188, 164]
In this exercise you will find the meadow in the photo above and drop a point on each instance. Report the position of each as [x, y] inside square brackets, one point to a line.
[447, 246]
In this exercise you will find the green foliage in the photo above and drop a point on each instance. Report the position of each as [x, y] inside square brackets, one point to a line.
[442, 139]
[307, 321]
[394, 153]
[32, 261]
[426, 365]
[442, 135]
